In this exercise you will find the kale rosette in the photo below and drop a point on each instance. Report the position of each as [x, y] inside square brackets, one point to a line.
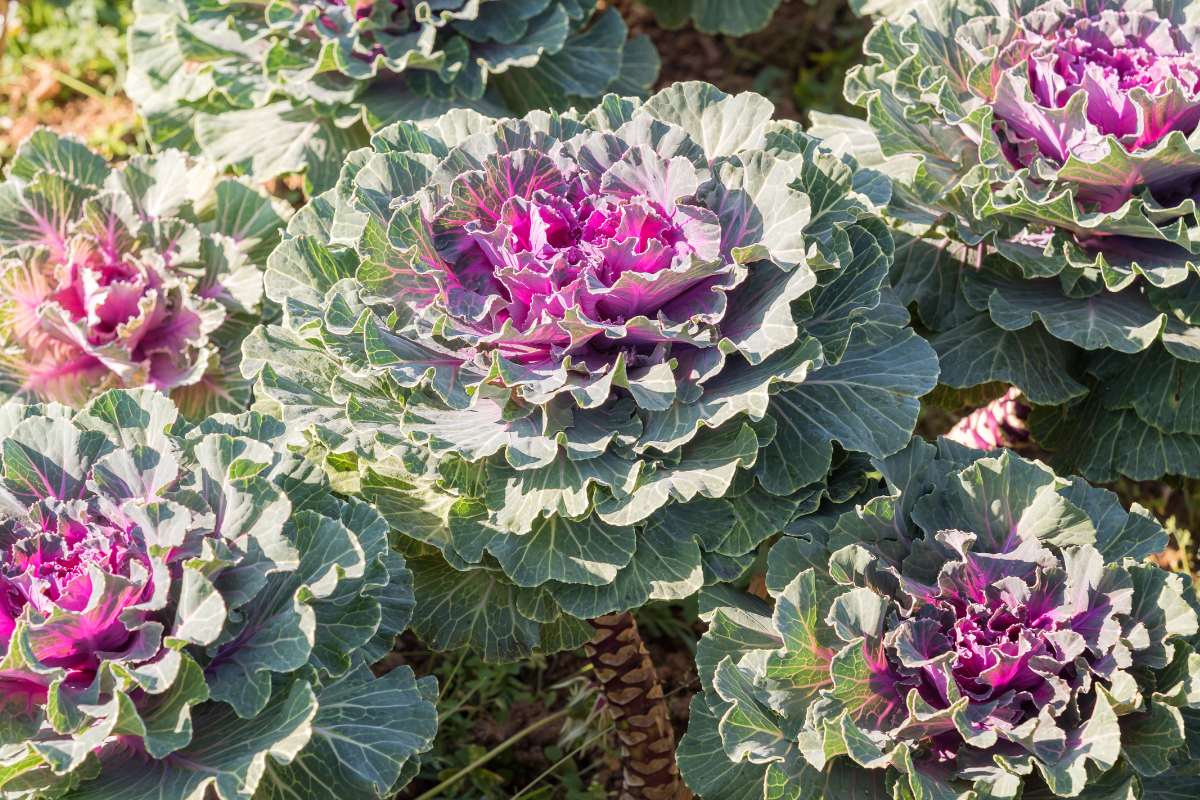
[1048, 163]
[549, 348]
[294, 85]
[146, 275]
[984, 629]
[190, 613]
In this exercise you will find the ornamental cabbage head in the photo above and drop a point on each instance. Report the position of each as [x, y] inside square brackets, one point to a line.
[191, 613]
[147, 275]
[1064, 128]
[287, 86]
[544, 345]
[1137, 71]
[984, 629]
[1048, 169]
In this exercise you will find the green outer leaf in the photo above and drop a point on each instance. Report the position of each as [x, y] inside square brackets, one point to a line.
[1122, 321]
[588, 552]
[1102, 445]
[703, 762]
[663, 568]
[978, 352]
[1172, 786]
[482, 609]
[927, 274]
[366, 731]
[803, 666]
[1162, 390]
[227, 756]
[706, 467]
[721, 124]
[868, 400]
[1148, 740]
[748, 731]
[303, 141]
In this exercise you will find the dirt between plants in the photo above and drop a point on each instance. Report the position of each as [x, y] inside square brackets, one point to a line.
[28, 98]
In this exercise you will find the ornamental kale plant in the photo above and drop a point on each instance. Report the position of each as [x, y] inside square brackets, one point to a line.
[584, 361]
[1049, 165]
[294, 85]
[192, 614]
[147, 275]
[984, 629]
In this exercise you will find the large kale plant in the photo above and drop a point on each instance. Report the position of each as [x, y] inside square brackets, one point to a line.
[586, 361]
[190, 613]
[1048, 164]
[984, 629]
[144, 275]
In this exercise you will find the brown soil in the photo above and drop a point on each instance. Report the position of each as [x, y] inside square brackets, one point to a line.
[35, 97]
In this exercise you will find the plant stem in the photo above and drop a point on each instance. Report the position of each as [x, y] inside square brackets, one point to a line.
[495, 751]
[74, 83]
[635, 700]
[453, 673]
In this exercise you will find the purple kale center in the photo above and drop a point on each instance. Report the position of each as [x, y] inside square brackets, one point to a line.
[1139, 74]
[1015, 633]
[106, 289]
[560, 251]
[535, 258]
[1109, 56]
[994, 636]
[109, 302]
[54, 568]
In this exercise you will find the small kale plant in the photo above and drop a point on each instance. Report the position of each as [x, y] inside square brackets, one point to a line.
[294, 85]
[1047, 166]
[580, 362]
[146, 275]
[984, 629]
[191, 613]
